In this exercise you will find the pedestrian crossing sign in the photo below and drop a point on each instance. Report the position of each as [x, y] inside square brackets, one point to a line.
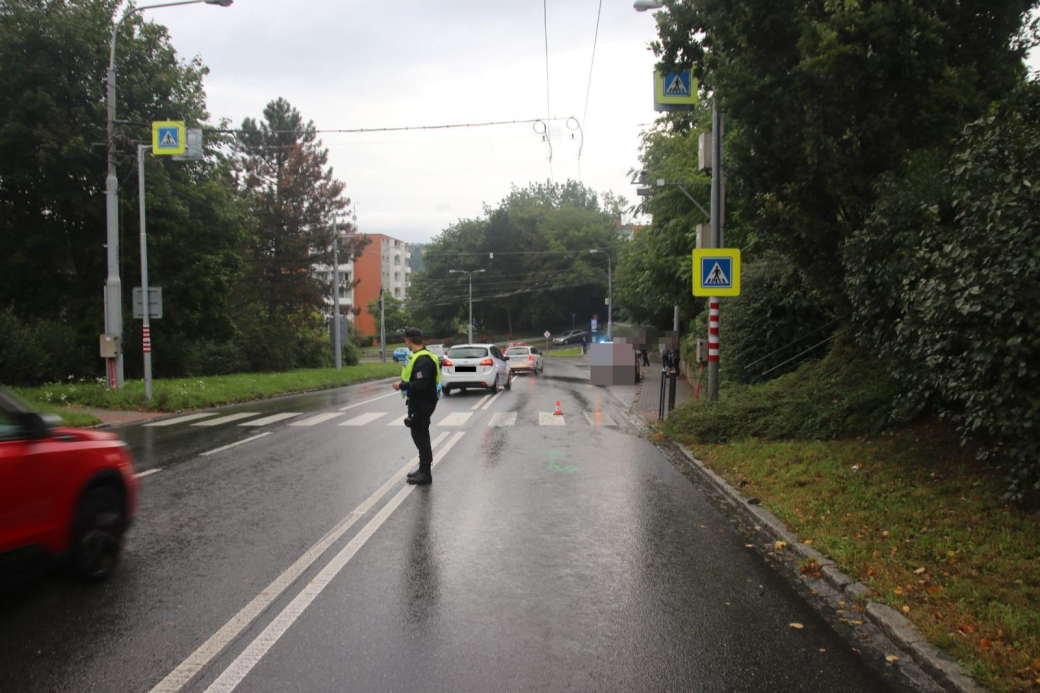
[675, 91]
[716, 272]
[168, 137]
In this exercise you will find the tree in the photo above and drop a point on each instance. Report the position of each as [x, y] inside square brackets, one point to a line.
[283, 171]
[823, 98]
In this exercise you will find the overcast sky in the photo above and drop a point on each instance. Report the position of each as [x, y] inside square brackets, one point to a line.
[348, 64]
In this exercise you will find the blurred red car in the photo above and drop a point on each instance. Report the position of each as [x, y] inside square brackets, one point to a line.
[64, 492]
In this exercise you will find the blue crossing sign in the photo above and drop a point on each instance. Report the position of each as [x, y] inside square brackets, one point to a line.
[168, 137]
[716, 272]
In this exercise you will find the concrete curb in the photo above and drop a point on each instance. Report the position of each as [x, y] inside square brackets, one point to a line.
[944, 670]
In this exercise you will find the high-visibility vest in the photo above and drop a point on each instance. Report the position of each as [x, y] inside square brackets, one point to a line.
[406, 372]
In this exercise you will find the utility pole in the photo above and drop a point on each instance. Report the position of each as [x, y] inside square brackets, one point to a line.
[336, 331]
[470, 331]
[146, 325]
[716, 242]
[382, 326]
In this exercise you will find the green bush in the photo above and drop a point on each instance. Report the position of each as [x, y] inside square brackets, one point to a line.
[847, 393]
[945, 282]
[39, 351]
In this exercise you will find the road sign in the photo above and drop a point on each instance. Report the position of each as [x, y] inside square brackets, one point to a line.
[716, 272]
[168, 137]
[154, 302]
[193, 150]
[675, 91]
[595, 324]
[547, 335]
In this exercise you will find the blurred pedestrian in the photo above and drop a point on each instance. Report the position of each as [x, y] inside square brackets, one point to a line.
[584, 345]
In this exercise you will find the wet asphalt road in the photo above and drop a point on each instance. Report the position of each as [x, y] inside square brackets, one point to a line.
[543, 558]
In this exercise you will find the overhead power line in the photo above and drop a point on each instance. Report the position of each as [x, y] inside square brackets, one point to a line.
[548, 106]
[588, 89]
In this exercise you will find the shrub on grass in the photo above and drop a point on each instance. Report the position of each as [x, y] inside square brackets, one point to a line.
[39, 351]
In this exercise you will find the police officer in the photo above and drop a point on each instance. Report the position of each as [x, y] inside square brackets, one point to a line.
[420, 383]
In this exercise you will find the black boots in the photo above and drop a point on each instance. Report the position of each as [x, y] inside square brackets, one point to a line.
[421, 476]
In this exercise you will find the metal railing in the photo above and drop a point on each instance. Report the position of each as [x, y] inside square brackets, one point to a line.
[747, 368]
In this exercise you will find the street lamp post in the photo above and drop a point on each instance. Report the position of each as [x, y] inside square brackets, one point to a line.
[610, 296]
[113, 289]
[470, 296]
[336, 328]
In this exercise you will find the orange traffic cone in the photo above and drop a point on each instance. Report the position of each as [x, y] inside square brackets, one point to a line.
[558, 412]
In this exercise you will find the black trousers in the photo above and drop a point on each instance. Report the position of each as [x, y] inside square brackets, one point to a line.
[421, 437]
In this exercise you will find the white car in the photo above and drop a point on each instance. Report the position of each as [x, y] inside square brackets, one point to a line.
[525, 358]
[475, 365]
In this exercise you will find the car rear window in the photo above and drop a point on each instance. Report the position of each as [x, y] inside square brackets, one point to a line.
[514, 350]
[467, 352]
[436, 349]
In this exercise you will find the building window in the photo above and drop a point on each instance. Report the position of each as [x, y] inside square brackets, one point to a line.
[397, 292]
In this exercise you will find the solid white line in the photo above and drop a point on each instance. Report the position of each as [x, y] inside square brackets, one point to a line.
[457, 418]
[598, 418]
[181, 419]
[249, 658]
[148, 473]
[369, 401]
[315, 420]
[227, 419]
[482, 400]
[234, 445]
[274, 418]
[488, 405]
[200, 658]
[546, 418]
[364, 418]
[502, 418]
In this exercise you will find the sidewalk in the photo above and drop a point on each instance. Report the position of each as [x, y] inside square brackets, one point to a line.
[649, 400]
[111, 417]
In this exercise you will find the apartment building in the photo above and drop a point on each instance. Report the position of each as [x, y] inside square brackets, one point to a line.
[385, 262]
[346, 289]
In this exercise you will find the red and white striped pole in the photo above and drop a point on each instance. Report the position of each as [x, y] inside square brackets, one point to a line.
[146, 339]
[713, 330]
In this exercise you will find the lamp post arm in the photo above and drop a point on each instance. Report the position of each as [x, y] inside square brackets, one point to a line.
[691, 198]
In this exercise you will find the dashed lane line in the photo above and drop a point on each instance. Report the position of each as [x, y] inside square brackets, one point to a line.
[492, 400]
[234, 445]
[480, 402]
[141, 475]
[256, 650]
[201, 657]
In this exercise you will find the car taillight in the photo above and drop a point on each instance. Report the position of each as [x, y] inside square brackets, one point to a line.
[531, 357]
[446, 363]
[487, 362]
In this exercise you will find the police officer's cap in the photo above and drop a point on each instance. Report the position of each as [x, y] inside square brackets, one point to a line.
[414, 334]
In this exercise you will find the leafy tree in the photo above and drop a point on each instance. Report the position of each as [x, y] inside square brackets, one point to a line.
[395, 317]
[292, 195]
[945, 279]
[822, 98]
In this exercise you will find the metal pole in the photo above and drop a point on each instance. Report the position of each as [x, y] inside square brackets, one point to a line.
[146, 326]
[716, 242]
[113, 290]
[382, 326]
[610, 305]
[470, 307]
[664, 389]
[338, 337]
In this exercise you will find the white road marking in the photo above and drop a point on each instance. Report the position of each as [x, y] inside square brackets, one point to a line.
[315, 420]
[547, 418]
[252, 655]
[502, 418]
[148, 473]
[369, 401]
[482, 400]
[492, 400]
[274, 418]
[200, 658]
[457, 418]
[227, 419]
[182, 419]
[598, 418]
[364, 418]
[398, 422]
[234, 445]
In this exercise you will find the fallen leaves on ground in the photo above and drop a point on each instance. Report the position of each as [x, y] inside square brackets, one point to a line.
[797, 626]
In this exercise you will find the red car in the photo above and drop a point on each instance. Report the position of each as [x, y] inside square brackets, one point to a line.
[64, 492]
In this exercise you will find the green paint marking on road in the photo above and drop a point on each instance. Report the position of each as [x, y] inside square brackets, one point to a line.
[553, 467]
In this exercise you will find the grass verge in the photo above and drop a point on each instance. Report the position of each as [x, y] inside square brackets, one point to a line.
[916, 517]
[195, 393]
[576, 351]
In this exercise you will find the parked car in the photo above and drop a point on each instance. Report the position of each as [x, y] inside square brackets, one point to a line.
[570, 337]
[525, 358]
[401, 354]
[475, 365]
[438, 351]
[64, 492]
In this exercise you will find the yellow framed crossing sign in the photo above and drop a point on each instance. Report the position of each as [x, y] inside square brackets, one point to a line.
[716, 272]
[675, 91]
[168, 137]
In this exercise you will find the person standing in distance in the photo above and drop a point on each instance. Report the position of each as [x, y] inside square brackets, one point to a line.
[420, 383]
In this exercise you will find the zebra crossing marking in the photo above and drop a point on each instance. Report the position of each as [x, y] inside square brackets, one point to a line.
[364, 418]
[598, 418]
[458, 418]
[315, 420]
[274, 418]
[501, 419]
[547, 418]
[227, 419]
[182, 419]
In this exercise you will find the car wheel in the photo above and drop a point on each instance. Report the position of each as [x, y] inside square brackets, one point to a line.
[509, 381]
[97, 534]
[446, 391]
[493, 387]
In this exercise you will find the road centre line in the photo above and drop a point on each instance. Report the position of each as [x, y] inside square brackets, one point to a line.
[369, 401]
[260, 646]
[201, 657]
[482, 400]
[140, 475]
[234, 445]
[492, 401]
